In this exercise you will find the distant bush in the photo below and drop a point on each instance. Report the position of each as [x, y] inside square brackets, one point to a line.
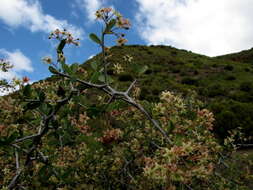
[246, 86]
[189, 81]
[232, 115]
[196, 72]
[148, 71]
[247, 69]
[229, 68]
[175, 70]
[215, 90]
[230, 77]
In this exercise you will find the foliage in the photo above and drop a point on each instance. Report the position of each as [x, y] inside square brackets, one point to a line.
[183, 71]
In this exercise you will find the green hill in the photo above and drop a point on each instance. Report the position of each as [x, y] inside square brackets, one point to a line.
[224, 86]
[245, 56]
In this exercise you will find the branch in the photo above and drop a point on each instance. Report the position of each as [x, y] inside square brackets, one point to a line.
[37, 139]
[123, 96]
[130, 87]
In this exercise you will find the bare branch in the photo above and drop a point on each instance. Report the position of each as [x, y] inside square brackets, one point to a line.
[17, 159]
[15, 179]
[130, 87]
[123, 96]
[26, 138]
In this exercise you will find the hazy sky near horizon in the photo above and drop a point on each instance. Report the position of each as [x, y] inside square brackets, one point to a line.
[210, 27]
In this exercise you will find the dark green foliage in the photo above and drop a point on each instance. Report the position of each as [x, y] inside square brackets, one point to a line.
[125, 77]
[246, 86]
[215, 90]
[230, 77]
[190, 81]
[229, 67]
[245, 56]
[214, 79]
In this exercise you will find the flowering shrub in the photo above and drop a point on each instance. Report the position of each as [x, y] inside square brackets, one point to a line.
[79, 132]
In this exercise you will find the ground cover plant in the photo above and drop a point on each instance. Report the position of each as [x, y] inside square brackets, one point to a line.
[83, 129]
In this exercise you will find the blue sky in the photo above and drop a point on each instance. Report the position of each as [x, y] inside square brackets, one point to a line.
[210, 27]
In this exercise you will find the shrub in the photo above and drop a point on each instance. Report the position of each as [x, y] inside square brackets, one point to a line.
[230, 77]
[190, 81]
[215, 90]
[229, 68]
[246, 86]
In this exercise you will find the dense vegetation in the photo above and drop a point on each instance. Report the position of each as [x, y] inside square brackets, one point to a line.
[224, 86]
[92, 126]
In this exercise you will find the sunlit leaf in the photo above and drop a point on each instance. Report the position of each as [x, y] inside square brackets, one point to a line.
[94, 38]
[52, 70]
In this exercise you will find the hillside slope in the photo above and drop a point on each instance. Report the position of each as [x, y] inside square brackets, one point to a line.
[245, 56]
[225, 86]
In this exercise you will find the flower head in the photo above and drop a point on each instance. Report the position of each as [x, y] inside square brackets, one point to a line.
[26, 79]
[64, 35]
[47, 60]
[121, 41]
[5, 65]
[123, 23]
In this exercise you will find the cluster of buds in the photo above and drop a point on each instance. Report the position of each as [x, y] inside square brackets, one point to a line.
[123, 23]
[128, 58]
[118, 68]
[47, 60]
[5, 65]
[106, 15]
[208, 117]
[111, 136]
[121, 41]
[61, 35]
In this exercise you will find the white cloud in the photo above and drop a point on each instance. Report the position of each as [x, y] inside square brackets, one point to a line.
[211, 27]
[29, 14]
[91, 56]
[18, 60]
[90, 6]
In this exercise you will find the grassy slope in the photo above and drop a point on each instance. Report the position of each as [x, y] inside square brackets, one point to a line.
[245, 56]
[224, 85]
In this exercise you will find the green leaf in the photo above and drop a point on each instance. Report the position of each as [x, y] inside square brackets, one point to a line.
[94, 110]
[74, 67]
[142, 69]
[45, 108]
[94, 65]
[53, 70]
[171, 127]
[42, 96]
[61, 92]
[8, 140]
[66, 68]
[27, 90]
[110, 25]
[95, 76]
[31, 106]
[101, 78]
[94, 38]
[45, 173]
[61, 46]
[116, 105]
[13, 137]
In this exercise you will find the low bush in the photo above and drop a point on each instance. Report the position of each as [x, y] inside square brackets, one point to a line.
[189, 81]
